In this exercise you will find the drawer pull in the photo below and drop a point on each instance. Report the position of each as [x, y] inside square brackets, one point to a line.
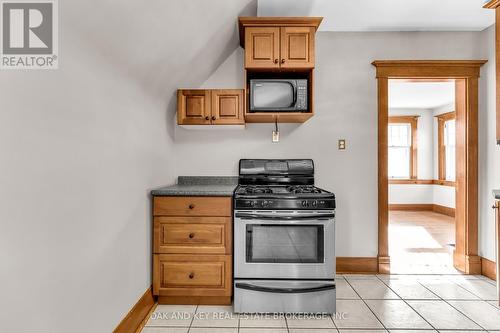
[191, 206]
[191, 275]
[191, 235]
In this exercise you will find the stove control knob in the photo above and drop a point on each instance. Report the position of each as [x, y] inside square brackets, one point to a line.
[251, 203]
[314, 203]
[265, 203]
[304, 203]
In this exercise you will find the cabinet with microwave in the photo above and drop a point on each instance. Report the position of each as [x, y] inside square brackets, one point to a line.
[210, 107]
[279, 65]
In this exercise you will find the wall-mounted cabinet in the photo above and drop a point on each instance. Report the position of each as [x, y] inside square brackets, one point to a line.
[279, 48]
[210, 107]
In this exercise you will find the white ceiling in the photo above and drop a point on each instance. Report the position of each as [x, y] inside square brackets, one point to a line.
[386, 15]
[420, 95]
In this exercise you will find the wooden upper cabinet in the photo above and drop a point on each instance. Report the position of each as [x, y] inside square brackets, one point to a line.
[193, 107]
[227, 106]
[278, 42]
[210, 107]
[297, 47]
[263, 47]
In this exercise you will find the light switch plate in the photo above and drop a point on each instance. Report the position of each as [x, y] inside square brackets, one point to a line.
[342, 145]
[276, 136]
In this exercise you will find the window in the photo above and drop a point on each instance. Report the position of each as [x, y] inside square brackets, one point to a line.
[446, 146]
[402, 133]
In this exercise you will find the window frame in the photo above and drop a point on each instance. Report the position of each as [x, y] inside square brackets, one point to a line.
[442, 119]
[413, 122]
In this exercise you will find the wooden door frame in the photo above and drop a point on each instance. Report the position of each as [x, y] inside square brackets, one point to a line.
[466, 76]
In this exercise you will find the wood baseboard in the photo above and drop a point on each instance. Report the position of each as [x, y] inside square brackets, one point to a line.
[367, 265]
[424, 207]
[136, 318]
[199, 300]
[488, 268]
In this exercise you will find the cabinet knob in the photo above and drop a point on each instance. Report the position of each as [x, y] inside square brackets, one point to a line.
[207, 118]
[213, 117]
[494, 206]
[282, 61]
[191, 275]
[191, 235]
[275, 61]
[191, 206]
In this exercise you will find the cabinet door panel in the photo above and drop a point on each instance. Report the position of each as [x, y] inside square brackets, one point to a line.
[193, 107]
[227, 106]
[297, 47]
[262, 47]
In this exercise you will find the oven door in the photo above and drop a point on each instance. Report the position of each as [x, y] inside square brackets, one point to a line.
[284, 244]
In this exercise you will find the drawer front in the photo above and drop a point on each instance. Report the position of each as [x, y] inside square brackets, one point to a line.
[192, 206]
[192, 235]
[187, 275]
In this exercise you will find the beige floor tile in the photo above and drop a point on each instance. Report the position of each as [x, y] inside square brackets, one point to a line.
[481, 312]
[362, 331]
[262, 320]
[344, 290]
[410, 289]
[397, 314]
[412, 331]
[319, 321]
[165, 330]
[442, 315]
[213, 330]
[263, 330]
[480, 288]
[172, 315]
[447, 290]
[313, 330]
[355, 315]
[215, 316]
[495, 304]
[372, 289]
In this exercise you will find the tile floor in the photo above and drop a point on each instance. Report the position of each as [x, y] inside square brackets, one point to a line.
[365, 303]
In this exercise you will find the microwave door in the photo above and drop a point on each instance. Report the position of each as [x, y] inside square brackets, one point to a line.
[273, 95]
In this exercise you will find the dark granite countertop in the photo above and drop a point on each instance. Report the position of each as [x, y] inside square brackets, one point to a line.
[496, 193]
[221, 186]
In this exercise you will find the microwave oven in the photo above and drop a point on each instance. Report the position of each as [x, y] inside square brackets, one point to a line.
[276, 95]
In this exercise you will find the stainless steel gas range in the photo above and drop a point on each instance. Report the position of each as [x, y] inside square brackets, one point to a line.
[284, 239]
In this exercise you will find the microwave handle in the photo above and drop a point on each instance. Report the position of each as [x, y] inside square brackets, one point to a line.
[294, 84]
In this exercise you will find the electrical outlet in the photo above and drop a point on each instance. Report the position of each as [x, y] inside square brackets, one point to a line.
[276, 136]
[342, 145]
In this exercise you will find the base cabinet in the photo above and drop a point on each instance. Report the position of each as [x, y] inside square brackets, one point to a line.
[192, 250]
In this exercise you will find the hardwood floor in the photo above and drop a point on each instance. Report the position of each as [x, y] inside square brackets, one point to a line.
[421, 242]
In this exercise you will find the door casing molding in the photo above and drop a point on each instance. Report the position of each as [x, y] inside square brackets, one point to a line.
[466, 76]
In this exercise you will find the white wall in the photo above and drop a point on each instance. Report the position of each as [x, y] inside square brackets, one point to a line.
[489, 151]
[82, 146]
[345, 107]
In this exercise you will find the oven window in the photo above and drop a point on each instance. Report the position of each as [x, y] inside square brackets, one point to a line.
[271, 243]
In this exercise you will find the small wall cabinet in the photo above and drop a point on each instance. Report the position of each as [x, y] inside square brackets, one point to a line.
[210, 107]
[279, 47]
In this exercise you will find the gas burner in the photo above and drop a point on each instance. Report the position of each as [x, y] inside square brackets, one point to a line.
[258, 190]
[303, 189]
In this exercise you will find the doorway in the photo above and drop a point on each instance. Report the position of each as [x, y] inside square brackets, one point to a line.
[465, 75]
[421, 172]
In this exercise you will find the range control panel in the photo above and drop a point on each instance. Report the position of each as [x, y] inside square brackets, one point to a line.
[323, 203]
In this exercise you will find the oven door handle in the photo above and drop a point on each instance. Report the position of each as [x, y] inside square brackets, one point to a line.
[284, 217]
[252, 287]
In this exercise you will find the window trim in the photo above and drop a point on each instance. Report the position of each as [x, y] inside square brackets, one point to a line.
[413, 121]
[442, 119]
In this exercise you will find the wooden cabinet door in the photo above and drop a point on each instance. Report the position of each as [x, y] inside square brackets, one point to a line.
[297, 47]
[227, 106]
[262, 47]
[193, 107]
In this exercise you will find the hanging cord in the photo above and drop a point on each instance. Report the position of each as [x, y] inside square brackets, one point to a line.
[276, 125]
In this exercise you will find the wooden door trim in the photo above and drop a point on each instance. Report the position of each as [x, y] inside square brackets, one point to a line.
[466, 71]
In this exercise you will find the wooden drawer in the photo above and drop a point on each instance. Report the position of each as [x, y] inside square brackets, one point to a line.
[192, 206]
[192, 235]
[189, 275]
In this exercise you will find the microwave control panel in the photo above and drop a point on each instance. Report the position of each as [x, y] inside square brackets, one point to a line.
[302, 94]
